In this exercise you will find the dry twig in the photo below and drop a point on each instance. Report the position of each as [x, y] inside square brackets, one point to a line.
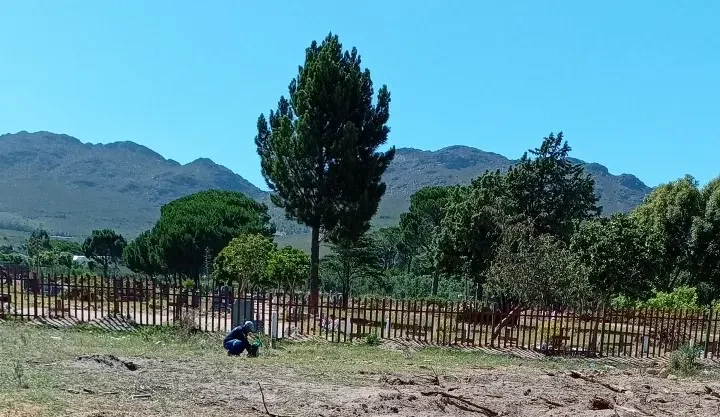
[576, 375]
[711, 392]
[437, 377]
[265, 404]
[484, 410]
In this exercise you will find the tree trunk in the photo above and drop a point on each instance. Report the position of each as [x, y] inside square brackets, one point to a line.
[314, 269]
[346, 296]
[435, 283]
[346, 284]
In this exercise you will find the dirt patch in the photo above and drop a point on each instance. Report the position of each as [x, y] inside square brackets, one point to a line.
[108, 360]
[196, 388]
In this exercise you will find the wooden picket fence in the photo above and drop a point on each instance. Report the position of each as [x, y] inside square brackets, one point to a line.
[131, 301]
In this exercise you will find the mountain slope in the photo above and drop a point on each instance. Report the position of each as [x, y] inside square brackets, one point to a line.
[413, 169]
[69, 187]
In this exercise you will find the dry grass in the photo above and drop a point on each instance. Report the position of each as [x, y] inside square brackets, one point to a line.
[80, 371]
[39, 369]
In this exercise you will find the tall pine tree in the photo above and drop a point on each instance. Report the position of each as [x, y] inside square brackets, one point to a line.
[319, 152]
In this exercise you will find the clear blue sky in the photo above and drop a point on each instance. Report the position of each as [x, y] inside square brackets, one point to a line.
[635, 85]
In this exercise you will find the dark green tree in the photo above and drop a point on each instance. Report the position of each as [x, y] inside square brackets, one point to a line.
[319, 149]
[37, 243]
[350, 262]
[421, 224]
[208, 220]
[667, 216]
[390, 247]
[616, 256]
[705, 245]
[104, 247]
[471, 228]
[141, 255]
[68, 246]
[551, 190]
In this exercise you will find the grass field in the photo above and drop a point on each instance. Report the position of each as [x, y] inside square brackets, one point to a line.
[159, 372]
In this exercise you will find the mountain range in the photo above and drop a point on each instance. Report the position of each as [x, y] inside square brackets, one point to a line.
[69, 187]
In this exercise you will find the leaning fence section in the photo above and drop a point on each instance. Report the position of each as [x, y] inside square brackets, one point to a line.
[116, 302]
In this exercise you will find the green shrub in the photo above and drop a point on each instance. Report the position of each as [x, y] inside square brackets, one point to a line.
[684, 297]
[622, 301]
[372, 339]
[684, 360]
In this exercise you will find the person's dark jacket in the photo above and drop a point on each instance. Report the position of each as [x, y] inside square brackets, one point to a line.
[239, 333]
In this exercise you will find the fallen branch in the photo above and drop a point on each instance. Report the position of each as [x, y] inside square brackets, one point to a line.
[551, 402]
[140, 396]
[575, 374]
[265, 404]
[484, 410]
[710, 391]
[459, 405]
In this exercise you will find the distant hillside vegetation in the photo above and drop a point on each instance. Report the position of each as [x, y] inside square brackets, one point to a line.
[69, 187]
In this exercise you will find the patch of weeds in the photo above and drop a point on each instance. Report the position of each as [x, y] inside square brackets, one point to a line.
[19, 375]
[684, 360]
[24, 338]
[372, 339]
[188, 322]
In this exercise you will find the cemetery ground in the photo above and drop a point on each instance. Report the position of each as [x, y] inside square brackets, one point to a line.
[81, 371]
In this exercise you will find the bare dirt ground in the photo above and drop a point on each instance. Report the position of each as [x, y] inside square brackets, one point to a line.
[157, 373]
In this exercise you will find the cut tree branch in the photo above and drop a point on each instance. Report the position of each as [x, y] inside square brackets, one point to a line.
[575, 374]
[488, 412]
[265, 404]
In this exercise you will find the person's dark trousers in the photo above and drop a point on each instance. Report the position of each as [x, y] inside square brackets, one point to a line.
[234, 347]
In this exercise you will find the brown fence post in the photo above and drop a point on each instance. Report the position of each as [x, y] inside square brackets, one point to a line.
[707, 334]
[179, 302]
[34, 289]
[116, 296]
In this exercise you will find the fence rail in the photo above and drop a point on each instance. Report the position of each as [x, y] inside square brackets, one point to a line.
[603, 332]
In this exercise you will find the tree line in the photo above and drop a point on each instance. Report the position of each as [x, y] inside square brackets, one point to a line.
[531, 234]
[535, 234]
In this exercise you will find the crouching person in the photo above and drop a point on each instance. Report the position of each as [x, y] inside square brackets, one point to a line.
[236, 342]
